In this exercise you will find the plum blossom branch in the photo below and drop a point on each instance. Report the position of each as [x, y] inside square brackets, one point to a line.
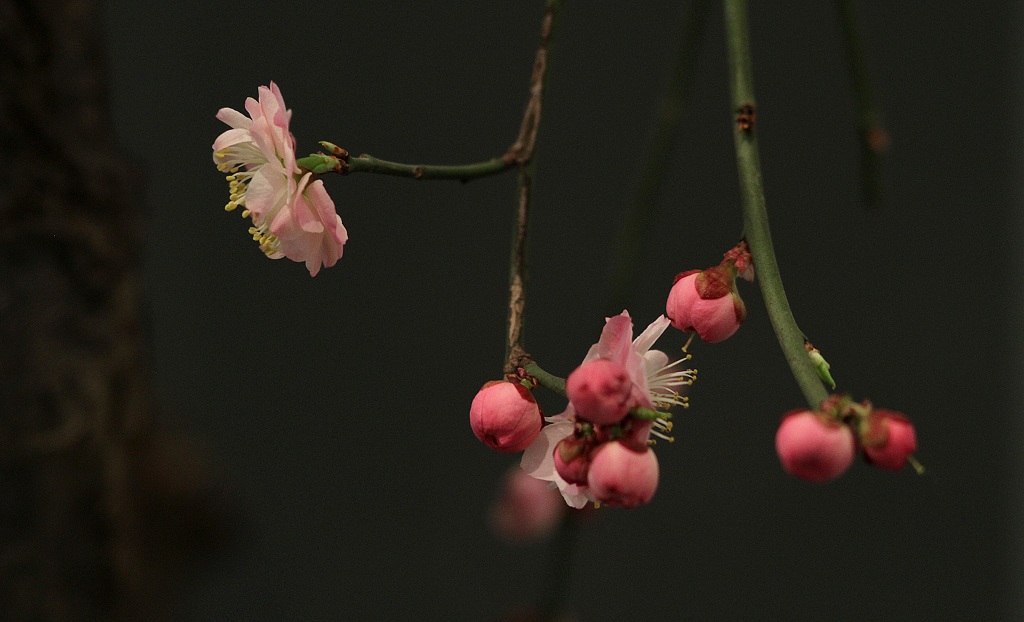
[518, 155]
[521, 153]
[460, 172]
[755, 215]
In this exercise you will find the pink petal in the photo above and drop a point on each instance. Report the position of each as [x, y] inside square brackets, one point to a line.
[267, 192]
[232, 137]
[615, 341]
[263, 136]
[234, 118]
[307, 215]
[253, 108]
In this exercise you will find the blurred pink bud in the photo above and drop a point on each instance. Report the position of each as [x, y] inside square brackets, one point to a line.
[888, 438]
[526, 509]
[813, 447]
[505, 416]
[706, 302]
[622, 477]
[600, 391]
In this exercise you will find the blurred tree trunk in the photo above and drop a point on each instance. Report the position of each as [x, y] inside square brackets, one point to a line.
[78, 485]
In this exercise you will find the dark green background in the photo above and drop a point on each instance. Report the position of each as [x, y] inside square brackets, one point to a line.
[336, 408]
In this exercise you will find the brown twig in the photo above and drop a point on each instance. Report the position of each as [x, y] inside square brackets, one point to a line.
[521, 153]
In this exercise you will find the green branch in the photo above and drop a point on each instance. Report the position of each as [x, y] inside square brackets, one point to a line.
[666, 134]
[546, 380]
[460, 172]
[755, 214]
[874, 139]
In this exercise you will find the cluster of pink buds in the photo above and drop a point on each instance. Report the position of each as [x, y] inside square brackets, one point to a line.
[607, 451]
[598, 449]
[707, 302]
[820, 446]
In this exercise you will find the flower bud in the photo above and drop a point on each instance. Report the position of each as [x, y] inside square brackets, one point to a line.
[622, 477]
[706, 302]
[572, 460]
[636, 433]
[814, 447]
[888, 439]
[505, 416]
[600, 391]
[526, 508]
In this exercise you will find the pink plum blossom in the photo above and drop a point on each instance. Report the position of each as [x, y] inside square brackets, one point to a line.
[292, 215]
[654, 383]
[505, 416]
[814, 447]
[622, 477]
[889, 439]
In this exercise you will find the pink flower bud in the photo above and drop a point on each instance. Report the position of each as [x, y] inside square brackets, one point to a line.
[526, 508]
[572, 459]
[706, 302]
[813, 447]
[622, 477]
[505, 416]
[600, 391]
[888, 438]
[636, 434]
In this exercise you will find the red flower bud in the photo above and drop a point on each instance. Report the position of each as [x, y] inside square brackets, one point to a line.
[814, 447]
[888, 439]
[622, 477]
[572, 460]
[600, 391]
[505, 416]
[706, 302]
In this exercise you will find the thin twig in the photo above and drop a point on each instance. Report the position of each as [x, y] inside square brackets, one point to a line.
[521, 153]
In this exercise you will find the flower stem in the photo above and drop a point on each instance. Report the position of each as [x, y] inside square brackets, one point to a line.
[461, 172]
[670, 113]
[544, 379]
[755, 215]
[522, 152]
[874, 139]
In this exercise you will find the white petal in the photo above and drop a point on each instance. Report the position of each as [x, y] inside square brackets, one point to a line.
[538, 459]
[575, 496]
[647, 338]
[654, 360]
